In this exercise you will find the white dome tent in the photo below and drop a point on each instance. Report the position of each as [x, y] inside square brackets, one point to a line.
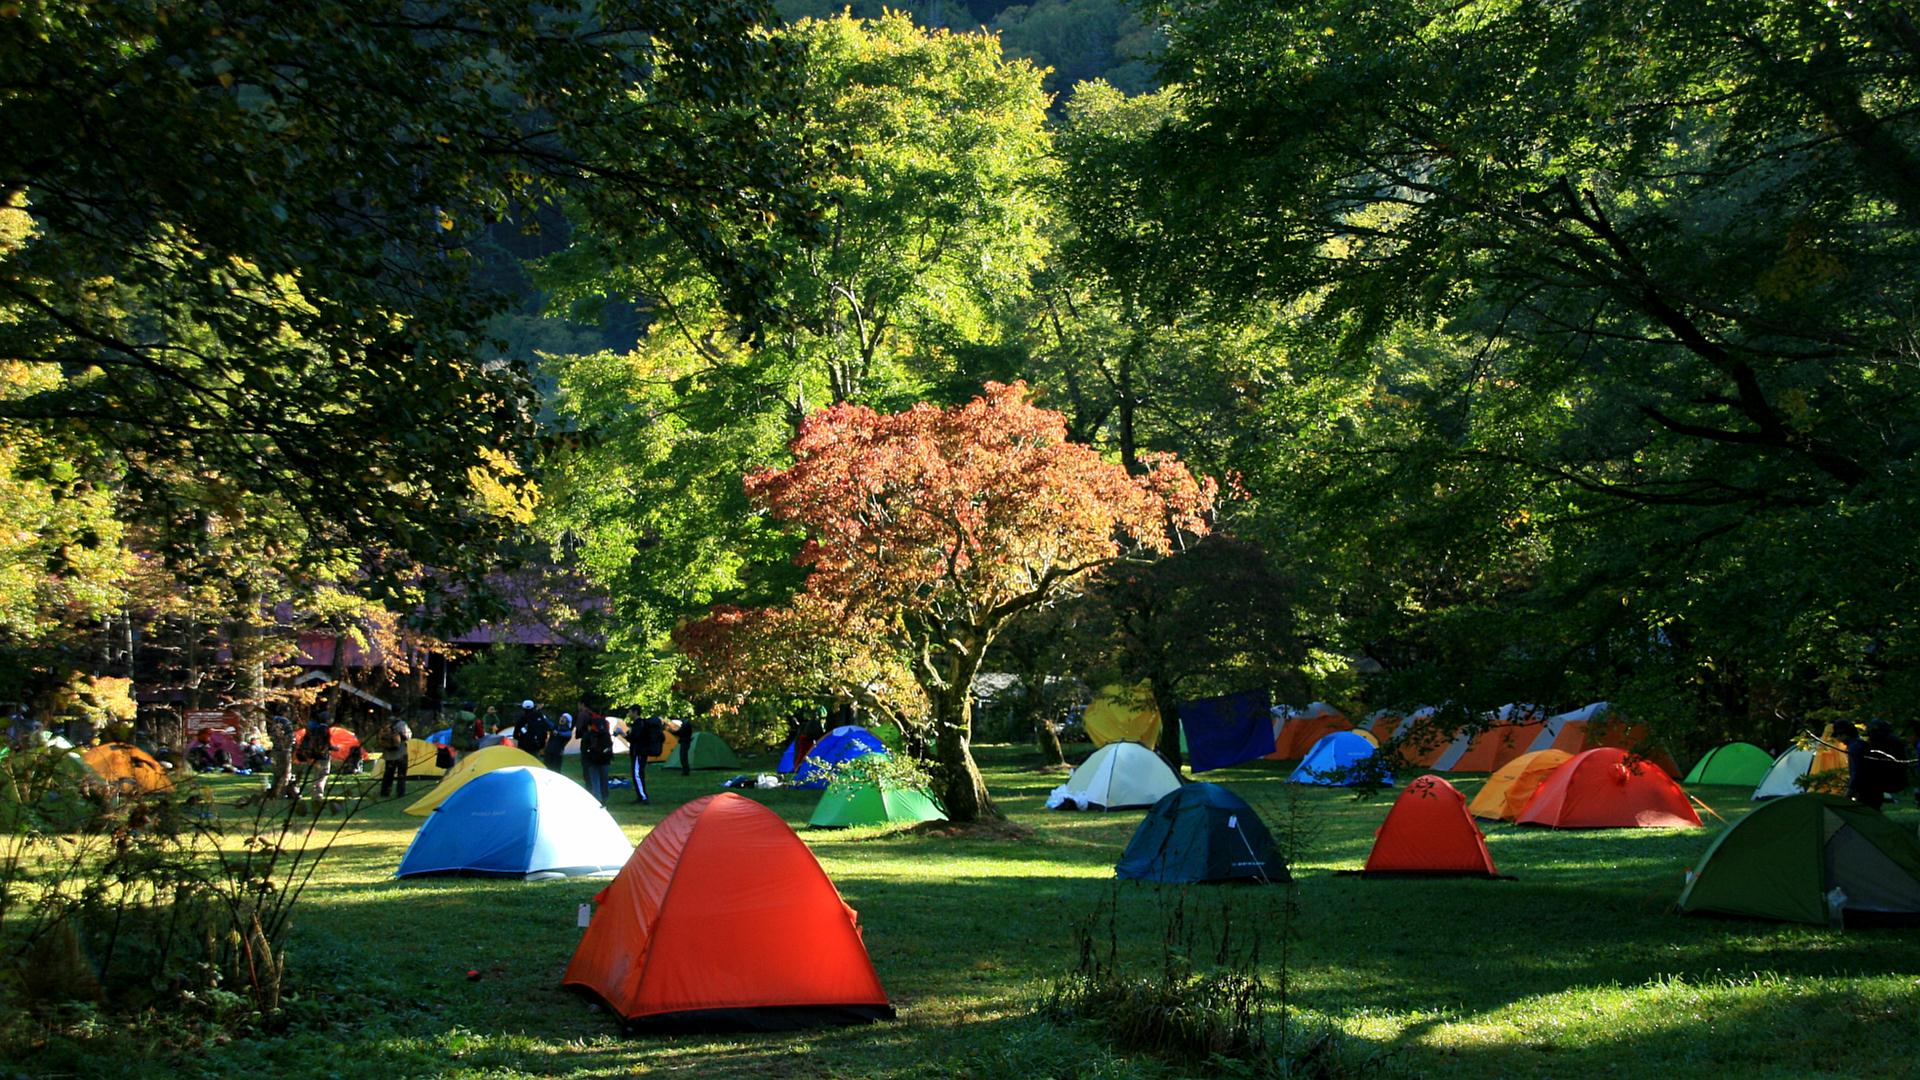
[1119, 776]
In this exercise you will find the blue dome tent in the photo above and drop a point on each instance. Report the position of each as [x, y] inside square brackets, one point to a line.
[842, 744]
[518, 822]
[1332, 754]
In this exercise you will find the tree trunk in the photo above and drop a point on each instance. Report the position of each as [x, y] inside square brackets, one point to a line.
[1169, 745]
[245, 646]
[966, 793]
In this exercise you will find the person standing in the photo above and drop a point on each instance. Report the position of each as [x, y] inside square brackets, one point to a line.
[280, 734]
[646, 737]
[393, 755]
[557, 741]
[316, 751]
[531, 730]
[683, 730]
[596, 754]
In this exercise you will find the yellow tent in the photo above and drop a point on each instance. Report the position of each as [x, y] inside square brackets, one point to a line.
[423, 760]
[1122, 714]
[477, 763]
[125, 766]
[666, 747]
[1506, 792]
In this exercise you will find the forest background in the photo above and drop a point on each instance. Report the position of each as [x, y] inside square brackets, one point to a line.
[1541, 356]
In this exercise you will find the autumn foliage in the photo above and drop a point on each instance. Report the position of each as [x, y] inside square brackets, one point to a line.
[928, 529]
[953, 513]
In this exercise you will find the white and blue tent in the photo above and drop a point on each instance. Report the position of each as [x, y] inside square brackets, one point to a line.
[518, 822]
[1329, 759]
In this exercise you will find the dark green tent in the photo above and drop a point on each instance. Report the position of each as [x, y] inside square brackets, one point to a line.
[845, 804]
[710, 751]
[1784, 859]
[1201, 832]
[1738, 763]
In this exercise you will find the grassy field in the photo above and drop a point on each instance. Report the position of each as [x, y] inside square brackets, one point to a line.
[1575, 969]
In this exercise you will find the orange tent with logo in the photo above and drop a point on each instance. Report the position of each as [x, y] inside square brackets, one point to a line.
[1609, 788]
[1428, 831]
[1506, 792]
[723, 920]
[1300, 730]
[128, 768]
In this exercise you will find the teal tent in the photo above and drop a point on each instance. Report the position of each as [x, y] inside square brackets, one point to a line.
[1201, 832]
[1738, 763]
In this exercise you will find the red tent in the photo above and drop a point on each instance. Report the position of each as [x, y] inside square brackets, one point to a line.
[1608, 788]
[1429, 831]
[343, 742]
[723, 920]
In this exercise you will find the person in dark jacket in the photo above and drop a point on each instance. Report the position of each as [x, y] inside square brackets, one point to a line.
[557, 741]
[393, 757]
[531, 730]
[683, 730]
[646, 736]
[596, 753]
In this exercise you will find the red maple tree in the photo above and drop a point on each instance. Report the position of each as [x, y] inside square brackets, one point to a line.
[930, 528]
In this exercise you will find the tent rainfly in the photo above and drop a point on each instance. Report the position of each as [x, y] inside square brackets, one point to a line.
[724, 921]
[1119, 776]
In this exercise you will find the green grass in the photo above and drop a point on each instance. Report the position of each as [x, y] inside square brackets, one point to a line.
[1575, 969]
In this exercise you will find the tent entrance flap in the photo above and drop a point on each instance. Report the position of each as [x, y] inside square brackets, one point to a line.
[1871, 880]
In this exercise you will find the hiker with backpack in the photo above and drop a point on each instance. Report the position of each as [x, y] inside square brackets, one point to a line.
[393, 755]
[596, 754]
[557, 741]
[646, 736]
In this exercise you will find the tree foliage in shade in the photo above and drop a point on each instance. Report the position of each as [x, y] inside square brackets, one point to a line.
[250, 222]
[1612, 306]
[930, 528]
[1217, 619]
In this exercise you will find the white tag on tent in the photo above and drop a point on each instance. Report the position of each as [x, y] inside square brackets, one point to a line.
[1233, 822]
[585, 917]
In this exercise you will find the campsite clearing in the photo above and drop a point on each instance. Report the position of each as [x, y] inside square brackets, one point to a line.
[1577, 968]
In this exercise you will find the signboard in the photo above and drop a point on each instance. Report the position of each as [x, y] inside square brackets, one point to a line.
[199, 720]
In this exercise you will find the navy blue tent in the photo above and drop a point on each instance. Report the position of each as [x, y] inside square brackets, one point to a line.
[839, 745]
[518, 822]
[1201, 832]
[1330, 756]
[1227, 730]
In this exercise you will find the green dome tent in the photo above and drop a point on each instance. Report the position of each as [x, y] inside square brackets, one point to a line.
[1735, 763]
[1796, 858]
[709, 752]
[847, 804]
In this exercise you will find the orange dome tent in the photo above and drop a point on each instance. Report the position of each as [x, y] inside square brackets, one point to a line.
[1300, 730]
[1428, 832]
[1608, 788]
[127, 767]
[1509, 732]
[1597, 725]
[1506, 792]
[723, 920]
